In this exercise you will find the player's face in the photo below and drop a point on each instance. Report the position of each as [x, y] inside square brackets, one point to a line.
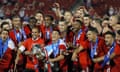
[76, 26]
[62, 26]
[4, 35]
[93, 24]
[105, 23]
[39, 16]
[35, 33]
[112, 21]
[7, 27]
[55, 36]
[67, 16]
[32, 22]
[79, 13]
[86, 21]
[16, 22]
[90, 35]
[48, 21]
[108, 39]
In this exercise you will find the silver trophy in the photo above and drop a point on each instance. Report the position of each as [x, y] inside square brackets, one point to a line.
[41, 55]
[38, 52]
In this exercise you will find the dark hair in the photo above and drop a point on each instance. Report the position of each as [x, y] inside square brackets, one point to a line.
[50, 16]
[33, 18]
[98, 20]
[36, 28]
[39, 12]
[62, 20]
[80, 22]
[106, 18]
[4, 30]
[87, 15]
[110, 33]
[57, 31]
[16, 16]
[4, 23]
[93, 29]
[118, 32]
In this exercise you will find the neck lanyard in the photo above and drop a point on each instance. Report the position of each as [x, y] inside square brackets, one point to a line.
[18, 35]
[23, 33]
[55, 47]
[48, 63]
[93, 48]
[107, 56]
[48, 33]
[4, 47]
[77, 37]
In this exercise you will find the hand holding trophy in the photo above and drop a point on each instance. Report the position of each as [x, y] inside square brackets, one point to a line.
[38, 52]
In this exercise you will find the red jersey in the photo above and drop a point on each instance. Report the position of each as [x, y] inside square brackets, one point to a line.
[46, 32]
[63, 64]
[28, 44]
[57, 49]
[116, 60]
[68, 38]
[6, 59]
[19, 35]
[79, 38]
[100, 51]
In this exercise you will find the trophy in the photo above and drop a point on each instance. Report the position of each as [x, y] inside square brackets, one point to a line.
[41, 55]
[38, 52]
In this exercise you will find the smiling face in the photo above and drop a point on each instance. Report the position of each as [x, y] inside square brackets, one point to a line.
[67, 16]
[48, 21]
[55, 35]
[76, 26]
[108, 39]
[39, 16]
[35, 33]
[62, 26]
[91, 35]
[16, 22]
[79, 13]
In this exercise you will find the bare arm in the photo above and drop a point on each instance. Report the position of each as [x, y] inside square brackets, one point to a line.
[99, 59]
[74, 56]
[57, 11]
[17, 57]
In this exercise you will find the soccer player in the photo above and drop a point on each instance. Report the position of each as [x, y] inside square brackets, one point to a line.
[6, 51]
[32, 61]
